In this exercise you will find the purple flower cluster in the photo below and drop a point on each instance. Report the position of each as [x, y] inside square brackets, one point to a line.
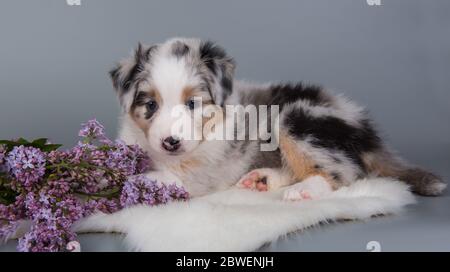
[140, 189]
[3, 167]
[27, 164]
[128, 159]
[7, 230]
[104, 205]
[53, 189]
[2, 154]
[52, 220]
[92, 129]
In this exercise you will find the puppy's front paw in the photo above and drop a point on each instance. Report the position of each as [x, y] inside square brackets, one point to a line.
[311, 188]
[262, 179]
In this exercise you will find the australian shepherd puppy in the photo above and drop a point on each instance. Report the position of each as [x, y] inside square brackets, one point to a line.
[316, 143]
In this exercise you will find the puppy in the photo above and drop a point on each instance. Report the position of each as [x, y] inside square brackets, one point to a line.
[322, 141]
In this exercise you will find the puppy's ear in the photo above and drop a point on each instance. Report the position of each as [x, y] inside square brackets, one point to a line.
[125, 73]
[221, 68]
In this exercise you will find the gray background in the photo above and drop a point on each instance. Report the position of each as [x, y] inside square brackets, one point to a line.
[393, 59]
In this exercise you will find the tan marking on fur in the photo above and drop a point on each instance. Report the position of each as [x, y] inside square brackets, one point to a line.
[156, 95]
[299, 164]
[138, 113]
[138, 117]
[382, 164]
[187, 93]
[184, 166]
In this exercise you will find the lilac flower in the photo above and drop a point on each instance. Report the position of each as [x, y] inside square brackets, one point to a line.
[103, 205]
[7, 230]
[55, 189]
[3, 165]
[32, 205]
[27, 164]
[2, 154]
[131, 193]
[143, 161]
[92, 129]
[122, 157]
[52, 220]
[141, 190]
[177, 192]
[45, 237]
[69, 208]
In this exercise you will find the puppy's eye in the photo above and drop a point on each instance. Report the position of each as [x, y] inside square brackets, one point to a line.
[152, 107]
[192, 104]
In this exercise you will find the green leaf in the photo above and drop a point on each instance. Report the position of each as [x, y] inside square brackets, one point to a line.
[7, 195]
[22, 141]
[7, 198]
[9, 144]
[39, 142]
[50, 147]
[6, 142]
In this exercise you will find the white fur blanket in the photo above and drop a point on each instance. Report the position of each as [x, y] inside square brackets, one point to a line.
[242, 220]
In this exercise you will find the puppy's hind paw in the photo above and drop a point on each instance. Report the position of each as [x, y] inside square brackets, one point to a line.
[262, 179]
[253, 181]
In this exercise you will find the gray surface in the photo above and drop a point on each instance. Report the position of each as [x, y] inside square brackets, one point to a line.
[394, 59]
[424, 227]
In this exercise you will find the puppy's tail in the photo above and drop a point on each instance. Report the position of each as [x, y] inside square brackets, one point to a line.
[385, 164]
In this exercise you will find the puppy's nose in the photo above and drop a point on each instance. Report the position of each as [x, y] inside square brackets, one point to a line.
[171, 143]
[172, 140]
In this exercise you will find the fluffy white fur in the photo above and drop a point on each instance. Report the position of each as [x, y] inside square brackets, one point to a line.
[244, 220]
